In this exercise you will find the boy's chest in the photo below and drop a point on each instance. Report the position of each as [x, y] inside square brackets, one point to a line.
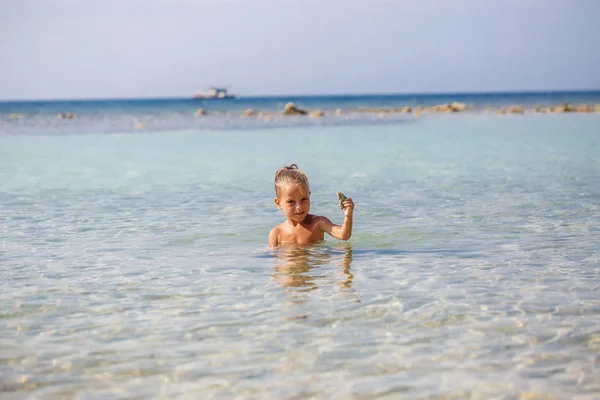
[300, 235]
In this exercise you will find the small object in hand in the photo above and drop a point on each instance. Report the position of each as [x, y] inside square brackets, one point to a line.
[341, 198]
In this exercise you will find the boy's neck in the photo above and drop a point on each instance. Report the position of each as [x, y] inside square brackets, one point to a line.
[306, 220]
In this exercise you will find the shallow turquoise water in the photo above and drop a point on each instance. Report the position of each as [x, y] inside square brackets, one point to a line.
[135, 265]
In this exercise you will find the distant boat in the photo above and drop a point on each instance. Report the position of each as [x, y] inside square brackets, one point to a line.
[214, 93]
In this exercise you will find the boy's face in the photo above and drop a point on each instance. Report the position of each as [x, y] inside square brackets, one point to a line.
[294, 201]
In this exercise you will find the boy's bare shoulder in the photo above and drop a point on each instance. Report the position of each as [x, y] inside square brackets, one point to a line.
[320, 219]
[274, 235]
[275, 230]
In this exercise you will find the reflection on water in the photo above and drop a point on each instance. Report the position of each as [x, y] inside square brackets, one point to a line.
[302, 267]
[346, 261]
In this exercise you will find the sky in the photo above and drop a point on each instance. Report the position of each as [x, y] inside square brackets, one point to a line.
[74, 49]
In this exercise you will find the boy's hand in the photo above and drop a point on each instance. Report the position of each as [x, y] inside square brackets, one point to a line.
[348, 205]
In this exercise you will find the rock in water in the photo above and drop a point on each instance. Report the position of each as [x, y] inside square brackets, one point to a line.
[341, 199]
[290, 109]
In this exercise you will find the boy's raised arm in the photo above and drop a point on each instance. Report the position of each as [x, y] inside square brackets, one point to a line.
[339, 232]
[343, 232]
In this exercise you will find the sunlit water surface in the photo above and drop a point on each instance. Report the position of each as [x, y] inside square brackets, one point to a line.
[136, 265]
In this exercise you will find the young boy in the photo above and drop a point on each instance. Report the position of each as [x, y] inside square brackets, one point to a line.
[293, 198]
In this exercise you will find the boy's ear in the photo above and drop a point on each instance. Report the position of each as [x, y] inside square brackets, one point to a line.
[276, 200]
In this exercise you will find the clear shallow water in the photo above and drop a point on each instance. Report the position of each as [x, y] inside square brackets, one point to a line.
[135, 265]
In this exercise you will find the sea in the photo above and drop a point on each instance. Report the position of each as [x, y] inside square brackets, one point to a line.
[134, 261]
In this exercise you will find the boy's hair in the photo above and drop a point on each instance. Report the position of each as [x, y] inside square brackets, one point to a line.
[289, 174]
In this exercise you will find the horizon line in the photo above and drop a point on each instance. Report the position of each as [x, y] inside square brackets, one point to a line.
[277, 96]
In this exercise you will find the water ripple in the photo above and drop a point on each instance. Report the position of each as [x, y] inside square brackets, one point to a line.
[141, 270]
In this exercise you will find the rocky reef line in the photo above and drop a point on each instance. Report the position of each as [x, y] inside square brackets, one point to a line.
[291, 109]
[449, 108]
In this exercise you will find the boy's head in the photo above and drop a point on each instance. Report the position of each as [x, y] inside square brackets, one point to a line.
[290, 175]
[293, 194]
